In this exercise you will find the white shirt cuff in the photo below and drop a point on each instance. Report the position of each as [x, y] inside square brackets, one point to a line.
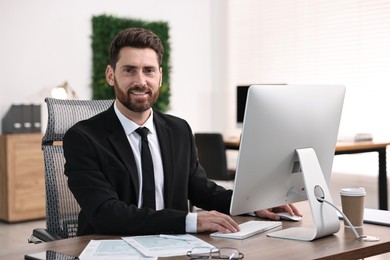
[191, 226]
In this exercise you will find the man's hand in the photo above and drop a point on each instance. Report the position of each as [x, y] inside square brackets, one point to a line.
[215, 221]
[271, 213]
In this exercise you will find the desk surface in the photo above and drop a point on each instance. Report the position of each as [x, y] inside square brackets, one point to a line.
[341, 245]
[355, 146]
[234, 143]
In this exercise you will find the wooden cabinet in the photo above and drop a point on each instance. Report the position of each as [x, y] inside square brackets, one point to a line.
[22, 184]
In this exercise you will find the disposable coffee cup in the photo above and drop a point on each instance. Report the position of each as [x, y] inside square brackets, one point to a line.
[352, 203]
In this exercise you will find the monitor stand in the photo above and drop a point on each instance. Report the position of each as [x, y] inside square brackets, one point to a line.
[324, 216]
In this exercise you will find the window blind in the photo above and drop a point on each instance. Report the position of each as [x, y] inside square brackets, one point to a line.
[317, 42]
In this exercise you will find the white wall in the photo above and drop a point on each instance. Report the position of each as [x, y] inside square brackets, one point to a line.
[46, 42]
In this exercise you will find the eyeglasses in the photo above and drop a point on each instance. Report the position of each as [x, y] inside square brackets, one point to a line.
[216, 253]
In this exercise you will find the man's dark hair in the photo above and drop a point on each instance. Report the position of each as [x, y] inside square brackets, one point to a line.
[136, 38]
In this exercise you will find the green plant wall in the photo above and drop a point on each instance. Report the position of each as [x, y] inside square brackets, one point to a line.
[104, 29]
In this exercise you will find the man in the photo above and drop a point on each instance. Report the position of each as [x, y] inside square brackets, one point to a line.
[104, 157]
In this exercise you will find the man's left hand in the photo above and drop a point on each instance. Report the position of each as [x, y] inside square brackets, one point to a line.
[271, 213]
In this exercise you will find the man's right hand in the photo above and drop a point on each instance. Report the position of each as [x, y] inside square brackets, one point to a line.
[215, 221]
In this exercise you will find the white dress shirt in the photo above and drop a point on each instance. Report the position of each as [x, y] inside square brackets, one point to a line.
[154, 146]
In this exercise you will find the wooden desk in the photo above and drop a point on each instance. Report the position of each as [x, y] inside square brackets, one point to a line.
[353, 148]
[341, 245]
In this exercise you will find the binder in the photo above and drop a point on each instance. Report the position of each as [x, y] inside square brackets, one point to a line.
[36, 118]
[26, 119]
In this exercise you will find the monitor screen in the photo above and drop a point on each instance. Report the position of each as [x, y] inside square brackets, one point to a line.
[242, 92]
[279, 120]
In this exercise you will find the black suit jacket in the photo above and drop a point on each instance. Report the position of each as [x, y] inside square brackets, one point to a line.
[103, 177]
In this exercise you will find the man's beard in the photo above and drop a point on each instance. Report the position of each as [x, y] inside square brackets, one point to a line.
[131, 103]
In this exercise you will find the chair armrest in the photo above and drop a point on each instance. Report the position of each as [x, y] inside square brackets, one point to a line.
[44, 235]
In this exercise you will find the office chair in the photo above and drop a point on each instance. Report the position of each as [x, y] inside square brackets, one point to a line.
[212, 156]
[61, 207]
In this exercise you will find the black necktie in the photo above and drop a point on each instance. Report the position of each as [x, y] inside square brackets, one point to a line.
[148, 189]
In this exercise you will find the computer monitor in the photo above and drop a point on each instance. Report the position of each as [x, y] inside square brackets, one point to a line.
[286, 152]
[241, 95]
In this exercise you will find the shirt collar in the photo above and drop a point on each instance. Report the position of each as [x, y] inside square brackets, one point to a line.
[129, 126]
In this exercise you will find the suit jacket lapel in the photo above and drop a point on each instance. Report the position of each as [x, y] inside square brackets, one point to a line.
[165, 138]
[121, 145]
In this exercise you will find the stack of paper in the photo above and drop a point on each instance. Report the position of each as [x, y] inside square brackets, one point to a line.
[142, 247]
[358, 137]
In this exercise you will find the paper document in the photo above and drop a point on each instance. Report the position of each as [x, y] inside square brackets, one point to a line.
[374, 216]
[117, 249]
[358, 137]
[166, 245]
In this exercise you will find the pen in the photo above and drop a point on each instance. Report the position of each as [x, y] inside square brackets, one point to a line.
[176, 237]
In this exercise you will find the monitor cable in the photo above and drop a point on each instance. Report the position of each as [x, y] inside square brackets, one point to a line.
[363, 238]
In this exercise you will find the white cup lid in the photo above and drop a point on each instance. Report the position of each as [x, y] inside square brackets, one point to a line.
[353, 191]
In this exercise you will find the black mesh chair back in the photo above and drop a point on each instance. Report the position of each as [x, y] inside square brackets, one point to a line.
[61, 207]
[212, 156]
